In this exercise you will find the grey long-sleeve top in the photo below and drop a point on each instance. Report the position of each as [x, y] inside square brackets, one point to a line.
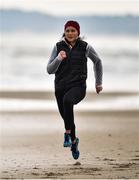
[55, 61]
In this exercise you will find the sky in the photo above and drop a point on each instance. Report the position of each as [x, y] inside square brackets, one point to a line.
[75, 7]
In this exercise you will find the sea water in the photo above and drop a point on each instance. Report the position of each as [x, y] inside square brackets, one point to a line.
[24, 57]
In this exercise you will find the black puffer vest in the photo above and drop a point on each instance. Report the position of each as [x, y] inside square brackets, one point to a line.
[73, 69]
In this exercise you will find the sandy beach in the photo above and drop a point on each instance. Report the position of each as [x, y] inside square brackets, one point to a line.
[107, 125]
[32, 144]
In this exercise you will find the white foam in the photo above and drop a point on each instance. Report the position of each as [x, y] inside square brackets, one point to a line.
[122, 103]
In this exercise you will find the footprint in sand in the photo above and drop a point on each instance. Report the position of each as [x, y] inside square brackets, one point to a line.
[36, 174]
[77, 164]
[4, 171]
[135, 159]
[35, 167]
[127, 165]
[98, 158]
[51, 174]
[107, 159]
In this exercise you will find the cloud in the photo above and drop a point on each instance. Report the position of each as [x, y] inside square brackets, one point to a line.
[75, 7]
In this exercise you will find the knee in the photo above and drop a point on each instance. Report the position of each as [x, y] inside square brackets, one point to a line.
[67, 100]
[73, 126]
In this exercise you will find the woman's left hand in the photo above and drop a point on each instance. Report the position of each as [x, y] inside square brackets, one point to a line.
[98, 88]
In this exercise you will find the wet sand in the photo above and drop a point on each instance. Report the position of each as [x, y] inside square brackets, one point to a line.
[32, 146]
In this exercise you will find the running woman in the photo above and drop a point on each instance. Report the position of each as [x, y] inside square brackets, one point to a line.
[68, 62]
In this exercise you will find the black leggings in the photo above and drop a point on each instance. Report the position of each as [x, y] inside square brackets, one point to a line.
[66, 98]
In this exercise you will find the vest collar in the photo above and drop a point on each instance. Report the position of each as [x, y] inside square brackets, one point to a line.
[69, 45]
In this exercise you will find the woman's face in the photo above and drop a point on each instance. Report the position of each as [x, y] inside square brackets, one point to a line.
[71, 34]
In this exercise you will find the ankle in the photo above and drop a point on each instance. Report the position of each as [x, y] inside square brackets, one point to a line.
[74, 141]
[68, 131]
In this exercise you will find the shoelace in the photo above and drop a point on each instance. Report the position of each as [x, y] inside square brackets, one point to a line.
[74, 147]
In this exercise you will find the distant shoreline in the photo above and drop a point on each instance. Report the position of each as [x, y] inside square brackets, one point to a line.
[39, 22]
[41, 101]
[49, 94]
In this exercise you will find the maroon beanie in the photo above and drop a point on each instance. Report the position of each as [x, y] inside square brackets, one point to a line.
[74, 24]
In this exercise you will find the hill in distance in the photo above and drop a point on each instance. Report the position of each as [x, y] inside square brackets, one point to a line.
[13, 20]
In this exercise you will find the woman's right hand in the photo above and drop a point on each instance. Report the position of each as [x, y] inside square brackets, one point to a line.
[62, 55]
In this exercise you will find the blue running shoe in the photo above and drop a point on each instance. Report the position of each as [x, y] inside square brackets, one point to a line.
[67, 140]
[74, 149]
